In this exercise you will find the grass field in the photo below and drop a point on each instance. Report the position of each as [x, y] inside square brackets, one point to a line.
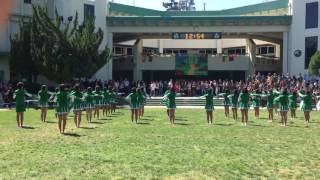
[113, 148]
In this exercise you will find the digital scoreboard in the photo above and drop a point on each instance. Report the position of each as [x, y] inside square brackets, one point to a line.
[205, 35]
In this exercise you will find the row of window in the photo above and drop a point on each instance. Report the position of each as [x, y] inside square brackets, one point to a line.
[312, 15]
[311, 47]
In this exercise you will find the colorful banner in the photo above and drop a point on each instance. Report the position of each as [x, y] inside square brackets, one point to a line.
[191, 65]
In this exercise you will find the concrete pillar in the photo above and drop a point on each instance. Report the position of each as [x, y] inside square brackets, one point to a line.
[284, 50]
[109, 65]
[160, 46]
[251, 45]
[138, 55]
[219, 45]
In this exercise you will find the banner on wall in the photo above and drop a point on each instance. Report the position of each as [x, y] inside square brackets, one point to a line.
[191, 65]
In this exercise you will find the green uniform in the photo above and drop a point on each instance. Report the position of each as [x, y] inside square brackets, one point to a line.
[244, 100]
[270, 100]
[165, 100]
[19, 95]
[292, 102]
[141, 99]
[44, 97]
[226, 100]
[134, 102]
[307, 102]
[106, 98]
[171, 104]
[77, 101]
[283, 102]
[62, 100]
[256, 99]
[112, 97]
[98, 98]
[234, 100]
[89, 100]
[209, 102]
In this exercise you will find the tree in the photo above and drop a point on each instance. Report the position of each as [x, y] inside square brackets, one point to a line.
[314, 65]
[21, 63]
[65, 51]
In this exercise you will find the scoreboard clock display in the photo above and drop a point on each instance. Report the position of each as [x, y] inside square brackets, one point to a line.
[206, 35]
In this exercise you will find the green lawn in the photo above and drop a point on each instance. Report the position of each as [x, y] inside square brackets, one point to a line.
[113, 148]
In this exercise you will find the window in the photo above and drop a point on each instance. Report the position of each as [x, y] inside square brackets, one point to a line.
[118, 51]
[27, 1]
[129, 51]
[311, 47]
[312, 14]
[264, 50]
[270, 50]
[88, 11]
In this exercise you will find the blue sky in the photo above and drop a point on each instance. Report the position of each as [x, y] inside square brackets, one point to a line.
[210, 4]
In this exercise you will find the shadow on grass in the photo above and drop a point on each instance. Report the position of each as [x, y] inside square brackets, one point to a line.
[72, 134]
[97, 123]
[143, 123]
[106, 119]
[146, 119]
[28, 127]
[88, 128]
[182, 124]
[50, 122]
[180, 119]
[222, 124]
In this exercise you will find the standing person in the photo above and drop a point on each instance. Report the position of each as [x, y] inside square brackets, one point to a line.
[306, 105]
[44, 97]
[165, 101]
[133, 100]
[283, 106]
[113, 100]
[209, 105]
[106, 101]
[256, 103]
[171, 104]
[89, 103]
[234, 104]
[270, 104]
[244, 105]
[77, 96]
[62, 107]
[19, 96]
[97, 102]
[293, 104]
[226, 102]
[141, 102]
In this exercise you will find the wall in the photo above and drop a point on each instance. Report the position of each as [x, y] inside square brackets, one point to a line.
[4, 66]
[297, 36]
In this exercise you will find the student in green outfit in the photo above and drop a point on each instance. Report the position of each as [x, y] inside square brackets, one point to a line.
[283, 106]
[62, 107]
[171, 105]
[141, 101]
[44, 97]
[19, 96]
[98, 102]
[113, 100]
[234, 104]
[209, 105]
[270, 104]
[106, 100]
[226, 102]
[256, 99]
[244, 105]
[134, 105]
[165, 101]
[276, 102]
[306, 105]
[293, 104]
[89, 103]
[77, 96]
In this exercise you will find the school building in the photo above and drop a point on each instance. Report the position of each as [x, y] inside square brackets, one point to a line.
[276, 36]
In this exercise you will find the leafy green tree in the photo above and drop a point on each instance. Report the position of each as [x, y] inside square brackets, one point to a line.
[21, 63]
[314, 65]
[63, 51]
